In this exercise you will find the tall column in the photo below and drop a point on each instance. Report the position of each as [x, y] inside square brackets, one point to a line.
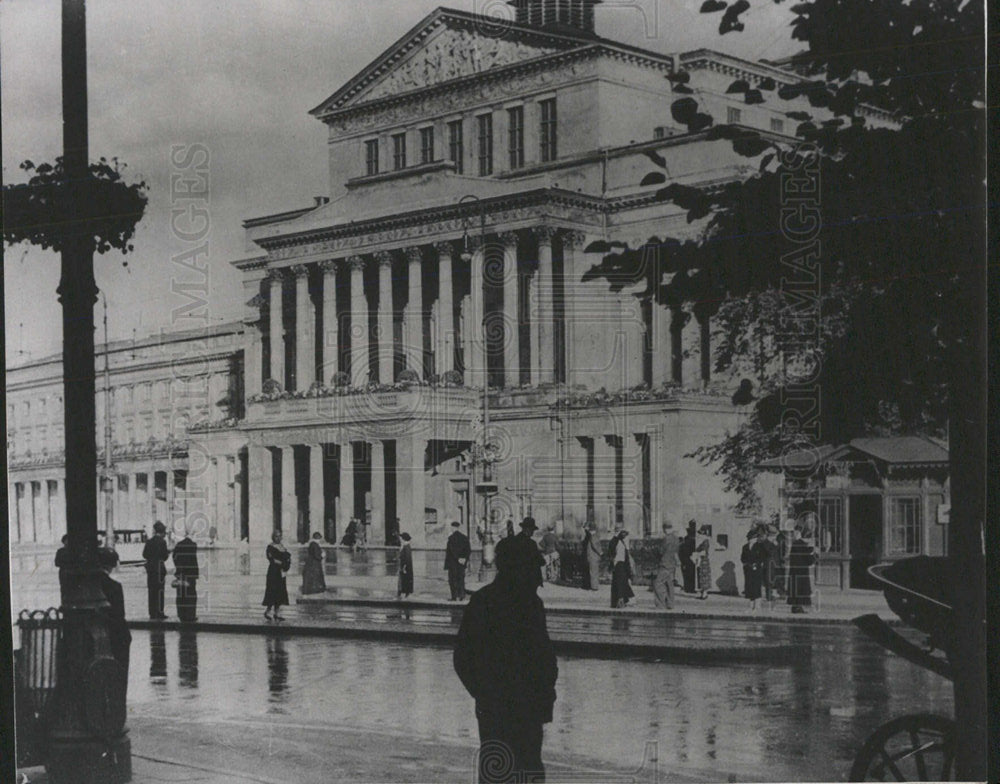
[573, 319]
[414, 318]
[410, 494]
[253, 362]
[534, 338]
[605, 481]
[132, 502]
[359, 323]
[657, 513]
[678, 318]
[546, 306]
[305, 350]
[346, 506]
[468, 344]
[377, 529]
[229, 521]
[386, 348]
[474, 358]
[289, 502]
[316, 489]
[511, 344]
[691, 342]
[660, 325]
[445, 348]
[277, 370]
[330, 326]
[261, 490]
[632, 482]
[173, 514]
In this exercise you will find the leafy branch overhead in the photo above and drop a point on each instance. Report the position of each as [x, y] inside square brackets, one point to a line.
[49, 210]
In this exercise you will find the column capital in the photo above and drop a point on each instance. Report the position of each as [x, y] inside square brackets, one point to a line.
[508, 238]
[276, 274]
[300, 271]
[444, 247]
[329, 266]
[356, 263]
[574, 239]
[544, 234]
[414, 254]
[383, 258]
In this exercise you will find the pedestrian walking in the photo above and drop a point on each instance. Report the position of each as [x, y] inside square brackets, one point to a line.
[313, 579]
[663, 582]
[506, 661]
[119, 637]
[592, 558]
[686, 555]
[801, 559]
[404, 583]
[621, 570]
[186, 578]
[155, 554]
[456, 560]
[279, 561]
[704, 571]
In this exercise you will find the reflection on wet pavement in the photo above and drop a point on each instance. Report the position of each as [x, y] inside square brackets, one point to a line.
[798, 722]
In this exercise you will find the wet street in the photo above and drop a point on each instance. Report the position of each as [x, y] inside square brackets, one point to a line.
[798, 722]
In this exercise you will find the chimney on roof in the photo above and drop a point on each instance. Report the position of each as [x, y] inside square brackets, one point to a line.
[570, 16]
[321, 200]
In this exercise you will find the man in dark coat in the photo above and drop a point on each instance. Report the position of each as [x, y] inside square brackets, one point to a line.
[155, 554]
[456, 558]
[522, 548]
[506, 661]
[684, 553]
[186, 574]
[119, 637]
[801, 559]
[63, 559]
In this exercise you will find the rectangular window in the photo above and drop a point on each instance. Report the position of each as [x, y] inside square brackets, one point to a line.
[830, 537]
[777, 125]
[485, 122]
[426, 145]
[548, 129]
[399, 151]
[456, 145]
[904, 525]
[515, 136]
[733, 115]
[371, 163]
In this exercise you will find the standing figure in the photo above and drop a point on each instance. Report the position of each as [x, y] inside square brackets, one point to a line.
[155, 553]
[456, 559]
[770, 578]
[279, 561]
[550, 552]
[592, 558]
[506, 661]
[350, 538]
[663, 583]
[404, 584]
[621, 570]
[745, 557]
[686, 555]
[119, 637]
[313, 579]
[186, 578]
[63, 560]
[755, 567]
[704, 564]
[522, 548]
[801, 559]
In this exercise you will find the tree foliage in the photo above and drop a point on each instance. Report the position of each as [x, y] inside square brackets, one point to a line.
[901, 208]
[49, 209]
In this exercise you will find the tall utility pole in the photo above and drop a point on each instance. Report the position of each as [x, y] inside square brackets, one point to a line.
[87, 741]
[108, 480]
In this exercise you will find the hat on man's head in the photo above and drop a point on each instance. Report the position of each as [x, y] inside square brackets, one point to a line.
[528, 524]
[668, 524]
[456, 524]
[159, 527]
[107, 558]
[405, 536]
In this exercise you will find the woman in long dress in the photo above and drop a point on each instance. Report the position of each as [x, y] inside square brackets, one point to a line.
[621, 573]
[313, 579]
[405, 581]
[592, 556]
[279, 561]
[704, 572]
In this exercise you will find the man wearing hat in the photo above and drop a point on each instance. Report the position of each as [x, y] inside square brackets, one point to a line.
[119, 637]
[663, 582]
[685, 553]
[404, 582]
[506, 661]
[155, 554]
[456, 558]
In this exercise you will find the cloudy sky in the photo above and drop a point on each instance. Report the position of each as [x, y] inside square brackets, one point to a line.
[239, 78]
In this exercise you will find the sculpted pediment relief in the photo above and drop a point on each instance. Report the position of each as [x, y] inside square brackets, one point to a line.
[450, 54]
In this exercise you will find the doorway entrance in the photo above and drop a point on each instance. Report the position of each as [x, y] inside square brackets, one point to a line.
[865, 538]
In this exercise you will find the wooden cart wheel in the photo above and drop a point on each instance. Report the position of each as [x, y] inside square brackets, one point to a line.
[919, 747]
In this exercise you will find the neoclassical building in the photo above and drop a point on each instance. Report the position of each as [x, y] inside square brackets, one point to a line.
[472, 165]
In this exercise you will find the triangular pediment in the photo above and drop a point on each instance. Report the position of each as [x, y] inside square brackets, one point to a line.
[446, 45]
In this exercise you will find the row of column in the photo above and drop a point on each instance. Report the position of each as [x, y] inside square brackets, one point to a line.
[35, 511]
[405, 479]
[503, 252]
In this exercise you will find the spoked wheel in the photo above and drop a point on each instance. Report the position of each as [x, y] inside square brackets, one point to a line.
[920, 747]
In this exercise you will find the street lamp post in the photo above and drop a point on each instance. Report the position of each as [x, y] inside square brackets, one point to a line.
[108, 478]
